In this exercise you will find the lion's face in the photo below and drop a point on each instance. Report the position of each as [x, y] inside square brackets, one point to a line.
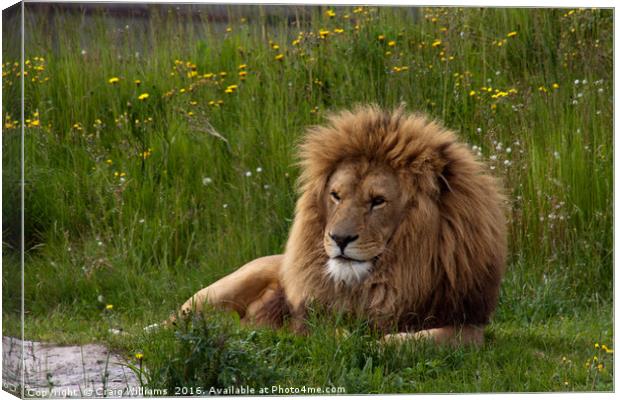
[364, 204]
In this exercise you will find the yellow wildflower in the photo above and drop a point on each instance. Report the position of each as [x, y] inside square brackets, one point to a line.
[381, 38]
[139, 356]
[243, 66]
[243, 73]
[143, 96]
[323, 33]
[279, 57]
[472, 93]
[436, 43]
[109, 306]
[229, 29]
[295, 42]
[392, 43]
[555, 86]
[113, 80]
[338, 30]
[512, 34]
[275, 46]
[330, 13]
[138, 82]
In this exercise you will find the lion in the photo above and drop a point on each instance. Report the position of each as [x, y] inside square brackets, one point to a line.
[397, 222]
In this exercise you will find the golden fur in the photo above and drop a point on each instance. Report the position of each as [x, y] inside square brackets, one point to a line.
[441, 266]
[444, 263]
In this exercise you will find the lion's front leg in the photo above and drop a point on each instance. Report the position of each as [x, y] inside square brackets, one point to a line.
[240, 290]
[448, 335]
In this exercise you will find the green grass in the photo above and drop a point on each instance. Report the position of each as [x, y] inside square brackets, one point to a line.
[107, 223]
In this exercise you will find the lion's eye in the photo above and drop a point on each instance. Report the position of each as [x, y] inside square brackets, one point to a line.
[335, 196]
[376, 202]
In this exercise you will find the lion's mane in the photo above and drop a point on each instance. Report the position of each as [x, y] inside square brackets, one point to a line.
[445, 261]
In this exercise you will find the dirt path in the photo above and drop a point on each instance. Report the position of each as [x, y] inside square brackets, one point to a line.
[66, 371]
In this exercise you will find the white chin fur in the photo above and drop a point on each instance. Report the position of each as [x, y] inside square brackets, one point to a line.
[348, 271]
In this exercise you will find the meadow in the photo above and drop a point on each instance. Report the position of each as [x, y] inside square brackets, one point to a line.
[160, 156]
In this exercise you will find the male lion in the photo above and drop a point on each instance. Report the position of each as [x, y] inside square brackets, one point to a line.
[397, 222]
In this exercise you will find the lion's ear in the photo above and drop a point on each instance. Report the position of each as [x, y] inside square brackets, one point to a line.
[435, 171]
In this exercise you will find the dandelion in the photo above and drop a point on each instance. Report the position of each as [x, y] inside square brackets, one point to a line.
[231, 89]
[108, 161]
[114, 80]
[392, 43]
[248, 173]
[323, 33]
[138, 82]
[243, 74]
[242, 66]
[330, 13]
[512, 34]
[338, 30]
[109, 307]
[206, 180]
[259, 169]
[555, 86]
[275, 46]
[143, 96]
[381, 38]
[279, 57]
[596, 346]
[139, 356]
[229, 29]
[436, 43]
[600, 367]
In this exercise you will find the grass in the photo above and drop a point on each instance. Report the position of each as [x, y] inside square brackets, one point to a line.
[139, 203]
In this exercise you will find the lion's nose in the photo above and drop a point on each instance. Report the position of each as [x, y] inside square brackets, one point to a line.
[343, 241]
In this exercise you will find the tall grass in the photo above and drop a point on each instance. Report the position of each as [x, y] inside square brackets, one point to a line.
[139, 203]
